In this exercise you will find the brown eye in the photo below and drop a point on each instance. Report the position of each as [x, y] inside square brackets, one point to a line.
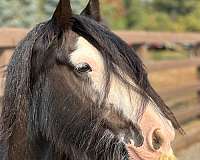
[83, 68]
[156, 140]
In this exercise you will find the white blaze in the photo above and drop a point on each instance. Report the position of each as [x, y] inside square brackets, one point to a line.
[122, 98]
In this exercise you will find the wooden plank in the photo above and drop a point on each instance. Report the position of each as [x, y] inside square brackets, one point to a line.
[172, 64]
[5, 56]
[185, 114]
[138, 37]
[192, 136]
[198, 75]
[9, 37]
[181, 91]
[2, 85]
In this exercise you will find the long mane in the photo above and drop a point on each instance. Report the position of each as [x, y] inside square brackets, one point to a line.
[17, 92]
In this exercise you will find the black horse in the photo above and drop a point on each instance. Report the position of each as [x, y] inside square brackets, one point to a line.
[74, 91]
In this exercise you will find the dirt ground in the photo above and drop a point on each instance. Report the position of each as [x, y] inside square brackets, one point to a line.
[190, 153]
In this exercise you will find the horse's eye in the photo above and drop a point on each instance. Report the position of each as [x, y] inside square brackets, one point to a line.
[83, 67]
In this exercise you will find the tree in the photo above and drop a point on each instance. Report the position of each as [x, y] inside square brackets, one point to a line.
[113, 13]
[174, 7]
[25, 13]
[13, 13]
[183, 14]
[135, 13]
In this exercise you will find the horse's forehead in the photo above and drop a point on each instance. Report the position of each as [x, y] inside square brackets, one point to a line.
[86, 53]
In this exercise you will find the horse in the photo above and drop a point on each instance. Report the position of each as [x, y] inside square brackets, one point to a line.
[75, 91]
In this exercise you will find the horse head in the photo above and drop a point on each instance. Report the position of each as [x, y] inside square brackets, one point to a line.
[75, 90]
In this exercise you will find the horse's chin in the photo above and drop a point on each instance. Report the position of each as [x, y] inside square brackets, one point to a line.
[133, 155]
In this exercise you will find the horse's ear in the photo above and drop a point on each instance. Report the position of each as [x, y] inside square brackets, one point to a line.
[62, 14]
[92, 10]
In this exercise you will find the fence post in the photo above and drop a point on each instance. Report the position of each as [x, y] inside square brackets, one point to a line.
[198, 74]
[144, 52]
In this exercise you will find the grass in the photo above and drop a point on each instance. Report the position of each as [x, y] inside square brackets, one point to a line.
[168, 55]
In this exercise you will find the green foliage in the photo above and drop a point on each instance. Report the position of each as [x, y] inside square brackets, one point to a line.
[112, 18]
[191, 21]
[168, 55]
[174, 7]
[26, 13]
[135, 15]
[156, 15]
[12, 12]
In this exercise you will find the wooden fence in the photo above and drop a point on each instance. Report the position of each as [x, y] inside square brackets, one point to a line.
[9, 37]
[188, 114]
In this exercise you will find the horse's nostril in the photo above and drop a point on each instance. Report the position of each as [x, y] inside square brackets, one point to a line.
[134, 137]
[156, 139]
[139, 141]
[136, 142]
[137, 135]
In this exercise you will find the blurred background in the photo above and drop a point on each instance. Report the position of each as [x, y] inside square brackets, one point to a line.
[165, 34]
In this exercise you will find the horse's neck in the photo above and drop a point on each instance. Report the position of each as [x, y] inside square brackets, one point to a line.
[17, 146]
[40, 149]
[3, 151]
[43, 150]
[34, 149]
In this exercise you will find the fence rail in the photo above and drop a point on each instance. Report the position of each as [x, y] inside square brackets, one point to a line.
[167, 65]
[180, 91]
[9, 37]
[192, 136]
[187, 113]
